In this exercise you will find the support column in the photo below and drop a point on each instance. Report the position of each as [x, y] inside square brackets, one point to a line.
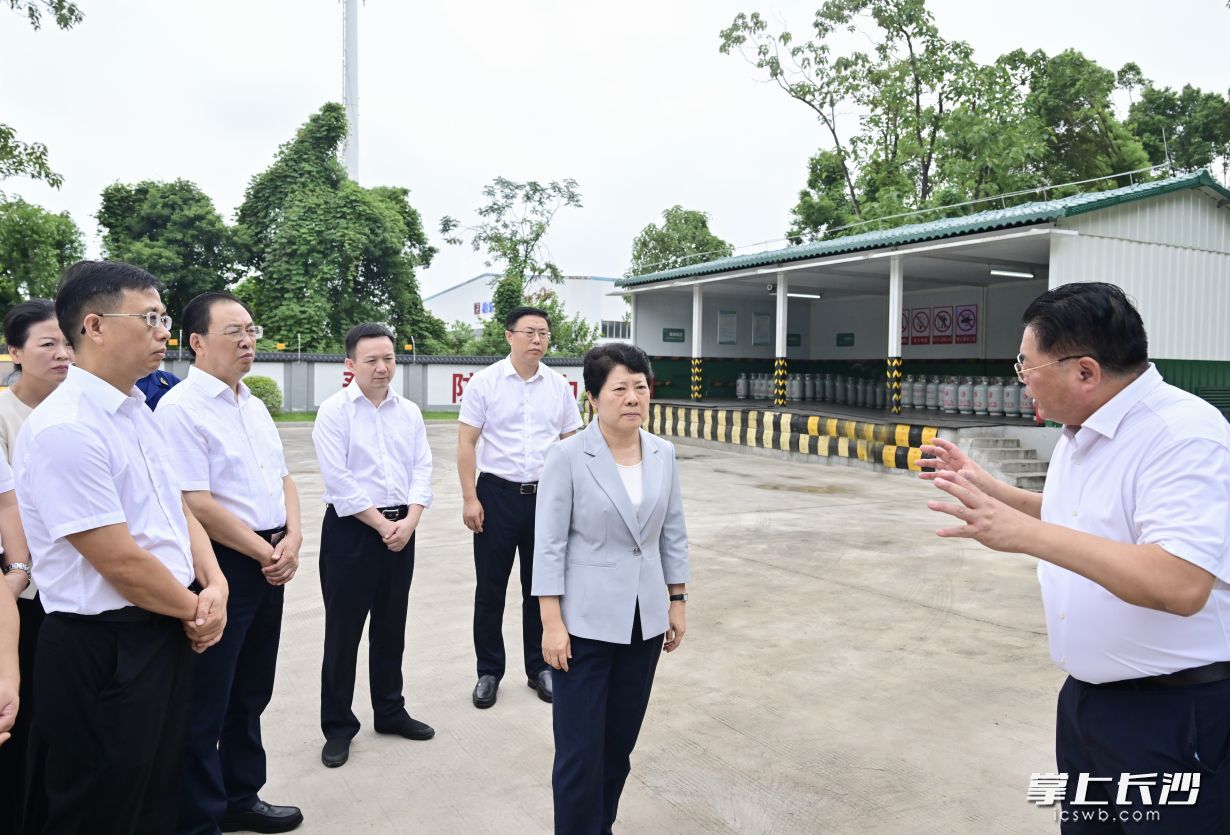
[896, 292]
[779, 342]
[698, 384]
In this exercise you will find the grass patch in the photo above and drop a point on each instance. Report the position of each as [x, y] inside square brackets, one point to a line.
[310, 417]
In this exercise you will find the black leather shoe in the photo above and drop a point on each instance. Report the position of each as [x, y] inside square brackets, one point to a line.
[542, 683]
[262, 818]
[408, 727]
[485, 690]
[336, 752]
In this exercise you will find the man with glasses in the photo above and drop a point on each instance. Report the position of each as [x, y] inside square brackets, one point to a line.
[118, 558]
[1132, 534]
[234, 477]
[511, 413]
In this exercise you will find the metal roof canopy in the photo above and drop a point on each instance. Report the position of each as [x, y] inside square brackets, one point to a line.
[946, 252]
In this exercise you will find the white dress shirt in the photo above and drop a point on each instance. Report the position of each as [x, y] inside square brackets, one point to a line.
[86, 458]
[519, 419]
[1152, 466]
[372, 457]
[226, 446]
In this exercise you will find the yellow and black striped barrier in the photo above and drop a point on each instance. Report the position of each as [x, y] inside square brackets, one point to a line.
[697, 378]
[894, 384]
[779, 381]
[893, 445]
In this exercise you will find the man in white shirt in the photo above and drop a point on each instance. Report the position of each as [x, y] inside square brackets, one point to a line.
[1133, 537]
[115, 553]
[373, 454]
[233, 473]
[512, 411]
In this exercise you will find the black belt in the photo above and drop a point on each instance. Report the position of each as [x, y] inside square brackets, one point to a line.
[395, 513]
[128, 614]
[1208, 674]
[270, 534]
[529, 488]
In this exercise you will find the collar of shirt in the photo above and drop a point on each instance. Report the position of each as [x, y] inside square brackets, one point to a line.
[214, 387]
[1106, 420]
[354, 394]
[106, 394]
[511, 371]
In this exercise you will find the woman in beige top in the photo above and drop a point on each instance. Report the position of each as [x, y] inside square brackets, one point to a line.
[42, 354]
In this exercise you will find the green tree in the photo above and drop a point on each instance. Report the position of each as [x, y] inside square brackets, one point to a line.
[29, 159]
[511, 229]
[571, 336]
[683, 238]
[324, 253]
[1189, 128]
[35, 247]
[171, 229]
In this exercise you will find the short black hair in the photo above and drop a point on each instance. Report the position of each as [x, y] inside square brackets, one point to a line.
[367, 330]
[195, 318]
[1093, 319]
[515, 315]
[95, 287]
[19, 320]
[600, 359]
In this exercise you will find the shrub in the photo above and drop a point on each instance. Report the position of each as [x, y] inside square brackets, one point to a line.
[265, 389]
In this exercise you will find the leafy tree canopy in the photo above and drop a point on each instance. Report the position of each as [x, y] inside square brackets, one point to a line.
[683, 238]
[172, 230]
[325, 253]
[35, 247]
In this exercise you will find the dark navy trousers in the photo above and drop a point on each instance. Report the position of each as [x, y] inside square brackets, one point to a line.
[224, 758]
[596, 715]
[359, 576]
[1152, 733]
[508, 529]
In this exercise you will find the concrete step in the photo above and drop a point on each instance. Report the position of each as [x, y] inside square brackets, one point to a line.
[997, 454]
[1030, 482]
[1022, 466]
[994, 443]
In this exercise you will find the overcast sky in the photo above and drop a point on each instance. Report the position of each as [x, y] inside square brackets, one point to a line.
[631, 99]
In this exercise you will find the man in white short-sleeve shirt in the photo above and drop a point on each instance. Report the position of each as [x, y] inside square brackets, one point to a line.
[117, 556]
[229, 459]
[511, 413]
[1132, 534]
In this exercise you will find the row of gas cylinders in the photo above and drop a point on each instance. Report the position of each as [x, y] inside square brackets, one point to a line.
[834, 388]
[989, 396]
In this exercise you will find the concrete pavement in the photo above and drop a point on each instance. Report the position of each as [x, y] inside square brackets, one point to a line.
[844, 671]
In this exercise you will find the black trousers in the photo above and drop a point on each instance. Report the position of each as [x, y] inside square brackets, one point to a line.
[508, 528]
[1152, 733]
[224, 758]
[358, 576]
[110, 706]
[596, 715]
[20, 765]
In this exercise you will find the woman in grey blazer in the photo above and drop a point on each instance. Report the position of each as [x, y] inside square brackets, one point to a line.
[610, 548]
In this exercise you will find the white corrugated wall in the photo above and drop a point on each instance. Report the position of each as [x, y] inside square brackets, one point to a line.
[1172, 255]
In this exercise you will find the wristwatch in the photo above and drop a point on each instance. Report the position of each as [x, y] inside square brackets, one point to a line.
[679, 598]
[18, 566]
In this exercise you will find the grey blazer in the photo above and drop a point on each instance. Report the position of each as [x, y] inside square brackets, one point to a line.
[593, 551]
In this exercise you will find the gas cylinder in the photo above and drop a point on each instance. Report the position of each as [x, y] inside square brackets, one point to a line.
[852, 391]
[827, 394]
[965, 396]
[795, 389]
[881, 394]
[1028, 405]
[741, 387]
[932, 397]
[920, 392]
[980, 396]
[1012, 399]
[948, 395]
[907, 392]
[995, 396]
[809, 387]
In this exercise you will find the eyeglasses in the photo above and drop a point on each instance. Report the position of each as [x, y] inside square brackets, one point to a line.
[151, 318]
[1022, 371]
[545, 336]
[236, 334]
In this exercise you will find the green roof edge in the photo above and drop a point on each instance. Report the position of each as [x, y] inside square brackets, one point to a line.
[917, 232]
